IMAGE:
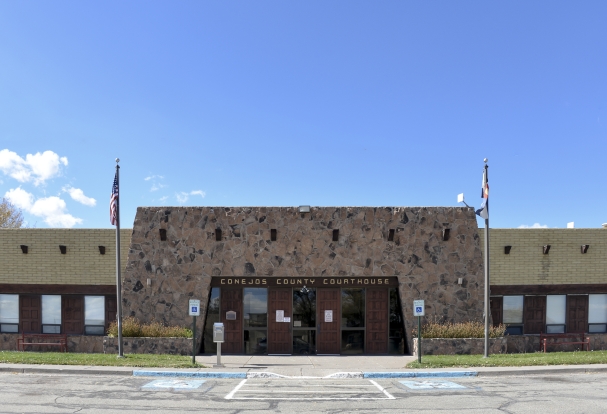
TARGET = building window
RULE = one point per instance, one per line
(255, 321)
(9, 313)
(396, 334)
(51, 314)
(597, 313)
(212, 317)
(513, 314)
(556, 309)
(94, 315)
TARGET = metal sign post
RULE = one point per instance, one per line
(419, 311)
(194, 311)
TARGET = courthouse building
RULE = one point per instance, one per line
(303, 280)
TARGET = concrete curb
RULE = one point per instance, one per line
(481, 372)
(413, 374)
(74, 371)
(547, 371)
(189, 374)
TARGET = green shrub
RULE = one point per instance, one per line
(436, 329)
(132, 328)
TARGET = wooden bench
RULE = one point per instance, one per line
(564, 339)
(27, 339)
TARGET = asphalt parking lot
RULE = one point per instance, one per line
(43, 393)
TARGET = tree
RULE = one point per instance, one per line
(11, 217)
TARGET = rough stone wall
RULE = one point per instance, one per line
(511, 344)
(181, 267)
(75, 343)
(92, 344)
(173, 346)
(460, 346)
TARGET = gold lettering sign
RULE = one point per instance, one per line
(300, 282)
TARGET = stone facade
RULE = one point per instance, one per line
(174, 346)
(162, 275)
(460, 346)
(75, 343)
(512, 344)
(107, 345)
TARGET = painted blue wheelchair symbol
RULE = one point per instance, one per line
(418, 309)
(194, 309)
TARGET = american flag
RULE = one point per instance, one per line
(484, 210)
(114, 202)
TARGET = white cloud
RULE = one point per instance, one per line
(20, 198)
(183, 196)
(157, 186)
(51, 209)
(37, 167)
(78, 195)
(534, 226)
(198, 192)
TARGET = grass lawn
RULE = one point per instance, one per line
(130, 360)
(511, 360)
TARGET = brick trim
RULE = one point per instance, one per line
(58, 289)
(548, 289)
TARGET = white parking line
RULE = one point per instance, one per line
(283, 390)
(239, 386)
(382, 389)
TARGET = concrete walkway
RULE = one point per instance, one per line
(307, 365)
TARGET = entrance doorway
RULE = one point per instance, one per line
(279, 339)
(266, 317)
(328, 325)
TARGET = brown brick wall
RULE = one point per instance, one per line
(564, 264)
(44, 263)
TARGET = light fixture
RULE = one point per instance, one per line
(460, 280)
(507, 249)
(304, 290)
(24, 248)
(149, 282)
(546, 248)
(585, 248)
(304, 209)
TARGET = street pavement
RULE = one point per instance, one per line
(125, 394)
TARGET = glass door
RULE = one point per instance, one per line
(304, 321)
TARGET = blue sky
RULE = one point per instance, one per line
(288, 103)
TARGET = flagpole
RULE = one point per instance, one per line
(486, 355)
(118, 279)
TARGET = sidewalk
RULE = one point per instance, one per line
(243, 366)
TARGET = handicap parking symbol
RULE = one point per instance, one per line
(194, 309)
(176, 385)
(432, 385)
(418, 309)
